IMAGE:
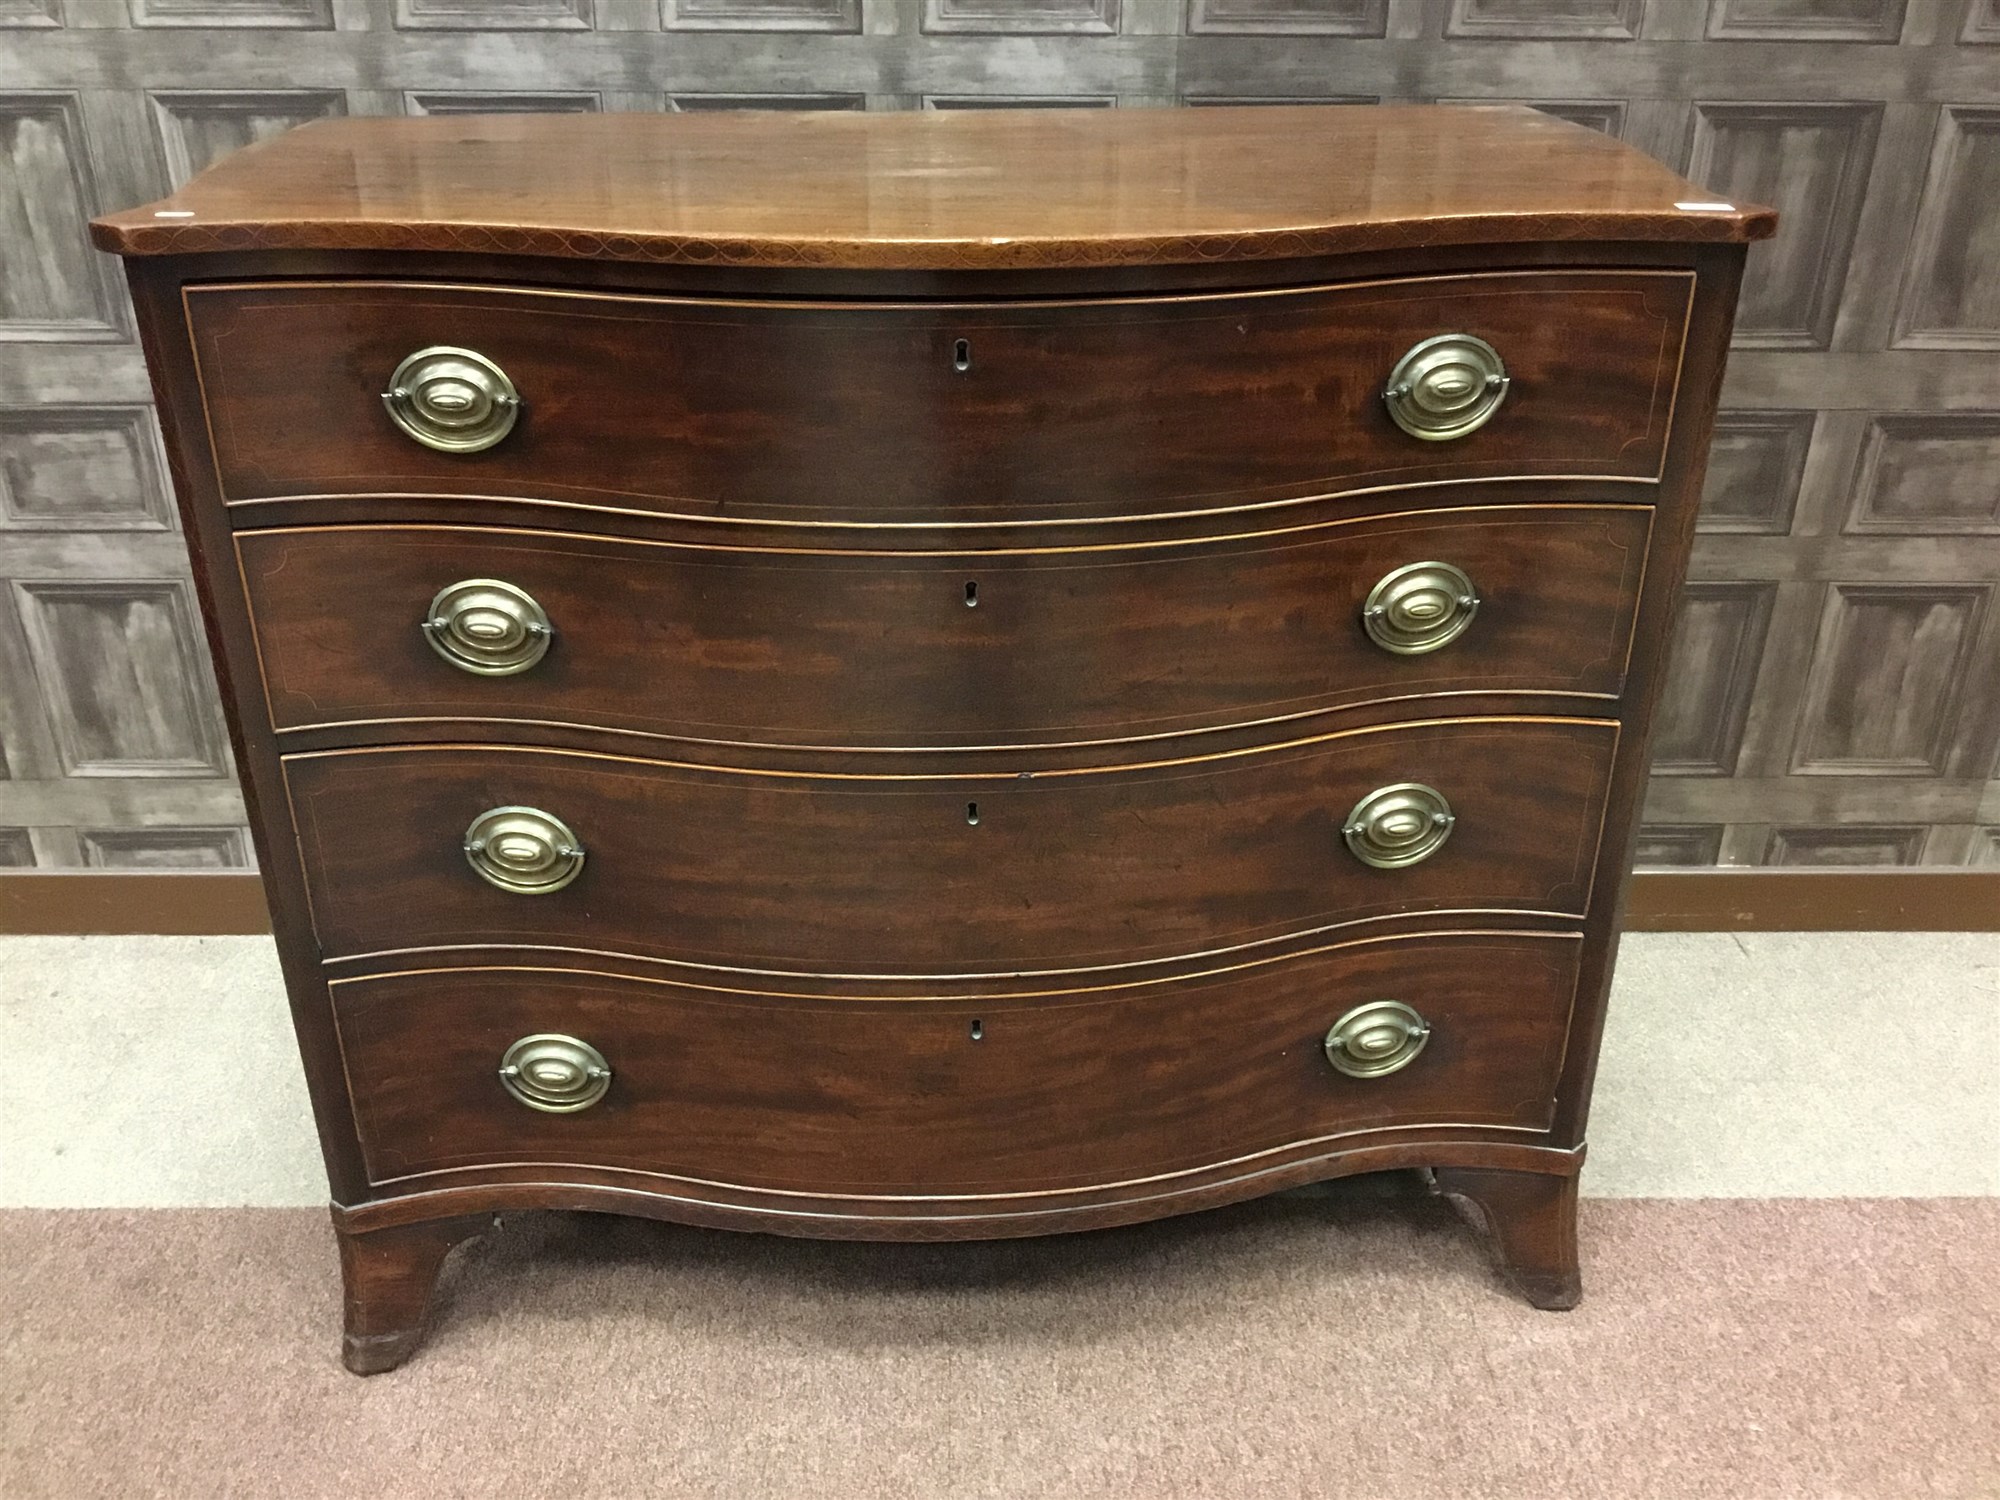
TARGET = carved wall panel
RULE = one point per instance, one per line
(1835, 696)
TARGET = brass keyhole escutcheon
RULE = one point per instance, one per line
(1399, 825)
(523, 850)
(1446, 387)
(1419, 607)
(488, 627)
(452, 400)
(556, 1074)
(1376, 1039)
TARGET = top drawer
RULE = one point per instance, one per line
(916, 414)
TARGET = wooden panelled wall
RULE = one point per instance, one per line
(1836, 692)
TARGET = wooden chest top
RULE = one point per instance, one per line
(943, 190)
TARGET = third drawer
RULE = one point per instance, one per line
(916, 875)
(380, 624)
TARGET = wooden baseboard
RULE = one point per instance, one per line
(99, 901)
(1885, 900)
(189, 902)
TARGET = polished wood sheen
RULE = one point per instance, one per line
(388, 1276)
(961, 874)
(1102, 1087)
(957, 680)
(992, 414)
(957, 190)
(907, 650)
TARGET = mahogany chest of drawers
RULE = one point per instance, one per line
(922, 676)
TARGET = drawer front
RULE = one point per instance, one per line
(864, 1097)
(863, 413)
(947, 651)
(945, 875)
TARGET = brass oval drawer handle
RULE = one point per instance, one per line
(1376, 1039)
(556, 1074)
(453, 400)
(523, 850)
(488, 626)
(1419, 607)
(1399, 825)
(1446, 387)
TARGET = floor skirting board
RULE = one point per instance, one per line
(204, 903)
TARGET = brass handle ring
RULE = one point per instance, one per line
(1399, 825)
(556, 1074)
(1446, 387)
(1376, 1039)
(523, 850)
(487, 627)
(453, 400)
(1419, 607)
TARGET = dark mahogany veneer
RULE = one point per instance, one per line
(954, 532)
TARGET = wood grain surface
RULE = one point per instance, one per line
(891, 651)
(821, 412)
(1038, 1094)
(971, 190)
(888, 875)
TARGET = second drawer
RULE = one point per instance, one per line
(919, 875)
(365, 624)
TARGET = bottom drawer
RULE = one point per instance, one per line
(1009, 1094)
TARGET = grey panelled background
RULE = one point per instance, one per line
(1836, 692)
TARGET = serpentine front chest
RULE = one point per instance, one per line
(929, 676)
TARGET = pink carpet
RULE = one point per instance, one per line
(1349, 1343)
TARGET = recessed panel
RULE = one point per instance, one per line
(1718, 646)
(1606, 116)
(1019, 101)
(198, 129)
(494, 15)
(688, 102)
(761, 15)
(82, 469)
(314, 15)
(165, 848)
(1675, 846)
(123, 677)
(1934, 474)
(1289, 17)
(1952, 297)
(1811, 163)
(1847, 845)
(1086, 17)
(1755, 466)
(1806, 20)
(51, 287)
(1885, 684)
(1609, 20)
(456, 102)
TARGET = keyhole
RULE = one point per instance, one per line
(972, 813)
(972, 596)
(961, 356)
(979, 1031)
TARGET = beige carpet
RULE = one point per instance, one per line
(1347, 1344)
